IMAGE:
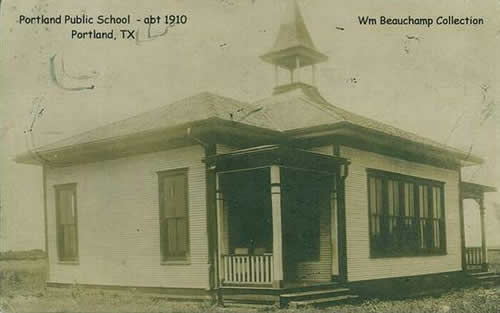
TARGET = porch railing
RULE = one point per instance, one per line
(248, 269)
(474, 256)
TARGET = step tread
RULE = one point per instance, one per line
(322, 300)
(313, 293)
(482, 273)
(488, 277)
(247, 305)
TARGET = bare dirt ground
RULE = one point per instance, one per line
(22, 289)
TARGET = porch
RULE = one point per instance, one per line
(476, 258)
(280, 217)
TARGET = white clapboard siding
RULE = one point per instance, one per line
(360, 265)
(118, 222)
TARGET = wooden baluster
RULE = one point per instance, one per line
(252, 262)
(238, 269)
(242, 268)
(231, 263)
(272, 267)
(266, 270)
(249, 279)
(226, 262)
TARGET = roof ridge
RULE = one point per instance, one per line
(323, 106)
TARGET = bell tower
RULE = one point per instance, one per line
(294, 51)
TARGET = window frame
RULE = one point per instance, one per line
(415, 182)
(164, 257)
(57, 189)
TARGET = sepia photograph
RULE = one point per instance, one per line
(249, 156)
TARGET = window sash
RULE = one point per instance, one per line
(66, 222)
(409, 218)
(174, 221)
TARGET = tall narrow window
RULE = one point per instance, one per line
(375, 203)
(66, 221)
(174, 242)
(406, 215)
(423, 201)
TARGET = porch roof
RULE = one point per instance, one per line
(282, 155)
(475, 191)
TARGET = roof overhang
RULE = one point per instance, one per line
(357, 136)
(240, 135)
(286, 58)
(204, 132)
(475, 191)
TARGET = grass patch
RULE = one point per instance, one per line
(22, 289)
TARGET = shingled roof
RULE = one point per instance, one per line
(202, 106)
(295, 110)
(306, 108)
(293, 31)
(299, 110)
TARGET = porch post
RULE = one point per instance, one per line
(277, 227)
(221, 228)
(462, 220)
(484, 250)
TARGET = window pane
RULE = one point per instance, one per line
(373, 195)
(423, 201)
(172, 236)
(393, 197)
(409, 200)
(375, 192)
(168, 197)
(379, 194)
(69, 241)
(390, 197)
(436, 192)
(180, 196)
(437, 239)
(174, 196)
(181, 236)
(66, 207)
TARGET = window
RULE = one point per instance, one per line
(174, 242)
(406, 215)
(66, 221)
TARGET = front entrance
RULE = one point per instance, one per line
(306, 225)
(274, 216)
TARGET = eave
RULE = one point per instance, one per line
(204, 132)
(356, 136)
(475, 191)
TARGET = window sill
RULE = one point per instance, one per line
(68, 262)
(408, 256)
(176, 262)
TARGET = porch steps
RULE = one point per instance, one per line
(246, 305)
(295, 296)
(323, 301)
(311, 294)
(323, 296)
(487, 278)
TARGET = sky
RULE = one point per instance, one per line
(439, 82)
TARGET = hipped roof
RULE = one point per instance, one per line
(299, 113)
